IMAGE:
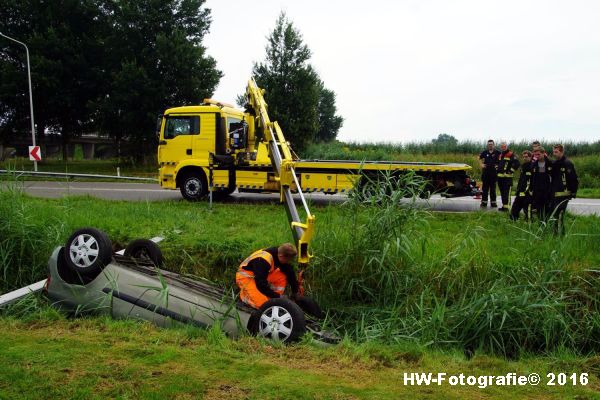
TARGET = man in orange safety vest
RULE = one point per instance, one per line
(266, 273)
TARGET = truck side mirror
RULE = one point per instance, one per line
(158, 125)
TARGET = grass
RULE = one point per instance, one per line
(48, 356)
(587, 193)
(390, 151)
(474, 282)
(411, 291)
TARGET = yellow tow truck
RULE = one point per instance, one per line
(215, 148)
(195, 139)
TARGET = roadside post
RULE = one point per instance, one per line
(35, 167)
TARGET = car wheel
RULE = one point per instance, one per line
(280, 320)
(87, 251)
(146, 250)
(193, 186)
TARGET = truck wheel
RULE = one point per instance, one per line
(280, 320)
(193, 186)
(146, 250)
(87, 251)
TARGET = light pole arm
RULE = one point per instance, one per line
(30, 91)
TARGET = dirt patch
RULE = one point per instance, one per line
(227, 391)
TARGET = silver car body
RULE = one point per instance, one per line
(133, 288)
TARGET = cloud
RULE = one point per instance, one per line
(407, 71)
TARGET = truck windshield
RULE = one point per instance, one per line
(177, 126)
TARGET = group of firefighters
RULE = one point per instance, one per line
(544, 186)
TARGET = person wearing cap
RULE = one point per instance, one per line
(524, 190)
(507, 164)
(265, 274)
(564, 186)
(488, 160)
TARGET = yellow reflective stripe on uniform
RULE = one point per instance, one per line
(561, 194)
(245, 274)
(259, 254)
(505, 175)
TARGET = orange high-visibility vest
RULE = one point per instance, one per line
(265, 255)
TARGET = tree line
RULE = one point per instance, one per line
(111, 66)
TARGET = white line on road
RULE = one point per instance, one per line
(97, 189)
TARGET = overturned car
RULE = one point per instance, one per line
(86, 276)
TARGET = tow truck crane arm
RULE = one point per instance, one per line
(283, 161)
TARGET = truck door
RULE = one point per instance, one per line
(176, 141)
(203, 143)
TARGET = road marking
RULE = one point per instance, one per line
(98, 189)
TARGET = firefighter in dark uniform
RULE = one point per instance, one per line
(507, 164)
(489, 173)
(523, 194)
(541, 183)
(564, 186)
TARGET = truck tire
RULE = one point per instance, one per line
(280, 320)
(193, 186)
(87, 251)
(146, 250)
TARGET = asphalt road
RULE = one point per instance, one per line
(153, 192)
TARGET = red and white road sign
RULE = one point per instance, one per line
(35, 154)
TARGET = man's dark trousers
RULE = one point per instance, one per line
(489, 178)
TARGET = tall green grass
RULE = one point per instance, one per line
(395, 278)
(388, 273)
(25, 240)
(392, 151)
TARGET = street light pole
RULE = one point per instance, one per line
(35, 166)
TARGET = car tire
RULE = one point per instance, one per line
(146, 250)
(87, 251)
(279, 320)
(193, 186)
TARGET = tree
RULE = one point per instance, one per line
(445, 139)
(108, 65)
(294, 91)
(157, 61)
(329, 123)
(62, 42)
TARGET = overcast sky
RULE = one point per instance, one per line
(407, 71)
